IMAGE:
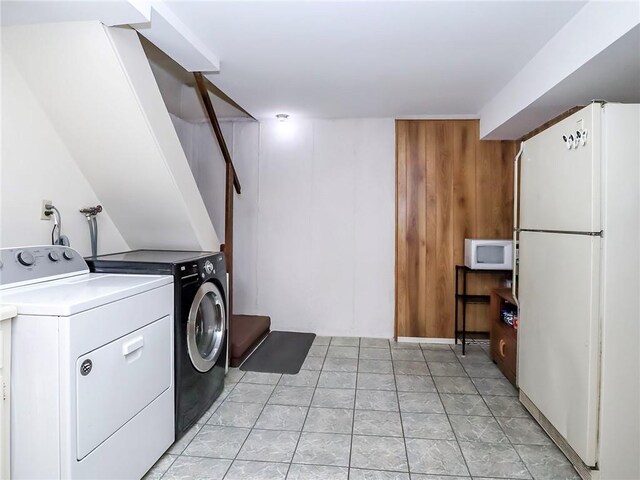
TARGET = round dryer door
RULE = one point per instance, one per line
(206, 327)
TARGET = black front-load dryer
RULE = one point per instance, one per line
(200, 319)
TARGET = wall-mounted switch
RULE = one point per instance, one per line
(43, 215)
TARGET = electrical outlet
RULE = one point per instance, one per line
(43, 216)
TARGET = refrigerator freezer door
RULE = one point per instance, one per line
(560, 187)
(558, 338)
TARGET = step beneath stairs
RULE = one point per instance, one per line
(245, 334)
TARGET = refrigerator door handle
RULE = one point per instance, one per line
(516, 224)
(562, 232)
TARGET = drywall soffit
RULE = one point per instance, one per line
(168, 33)
(152, 19)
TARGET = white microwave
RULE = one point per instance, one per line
(488, 254)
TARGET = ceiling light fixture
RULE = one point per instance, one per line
(282, 117)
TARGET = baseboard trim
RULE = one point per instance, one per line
(585, 472)
(445, 341)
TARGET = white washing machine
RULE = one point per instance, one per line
(92, 381)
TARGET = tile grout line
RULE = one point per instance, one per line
(334, 466)
(353, 419)
(250, 429)
(495, 420)
(330, 466)
(295, 449)
(357, 372)
(170, 465)
(455, 435)
(404, 438)
(510, 443)
(189, 443)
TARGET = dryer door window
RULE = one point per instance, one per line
(206, 327)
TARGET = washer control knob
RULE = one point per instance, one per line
(68, 255)
(26, 259)
(53, 256)
(208, 267)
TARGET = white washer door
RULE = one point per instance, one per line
(118, 380)
(206, 327)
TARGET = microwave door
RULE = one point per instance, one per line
(560, 187)
(490, 255)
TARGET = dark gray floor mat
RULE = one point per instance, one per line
(281, 352)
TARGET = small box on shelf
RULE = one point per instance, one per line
(504, 323)
(509, 314)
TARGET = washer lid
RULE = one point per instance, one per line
(76, 294)
(152, 256)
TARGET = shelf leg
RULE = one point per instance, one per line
(464, 313)
(455, 322)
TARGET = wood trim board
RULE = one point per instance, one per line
(450, 185)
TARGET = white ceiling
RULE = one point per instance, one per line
(370, 59)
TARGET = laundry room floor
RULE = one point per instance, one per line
(369, 409)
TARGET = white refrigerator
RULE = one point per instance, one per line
(578, 287)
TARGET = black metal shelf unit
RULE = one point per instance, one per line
(464, 298)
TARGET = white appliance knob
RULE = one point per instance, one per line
(26, 259)
(54, 257)
(68, 255)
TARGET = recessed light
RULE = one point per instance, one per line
(282, 117)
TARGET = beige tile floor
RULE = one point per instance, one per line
(369, 409)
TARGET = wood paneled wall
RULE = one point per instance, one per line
(449, 186)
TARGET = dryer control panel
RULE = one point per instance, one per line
(24, 265)
(211, 266)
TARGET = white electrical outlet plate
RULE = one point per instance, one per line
(44, 209)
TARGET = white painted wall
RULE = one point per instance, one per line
(170, 88)
(314, 227)
(198, 140)
(207, 164)
(36, 165)
(97, 88)
(246, 158)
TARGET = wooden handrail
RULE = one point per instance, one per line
(206, 100)
(228, 234)
(231, 182)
